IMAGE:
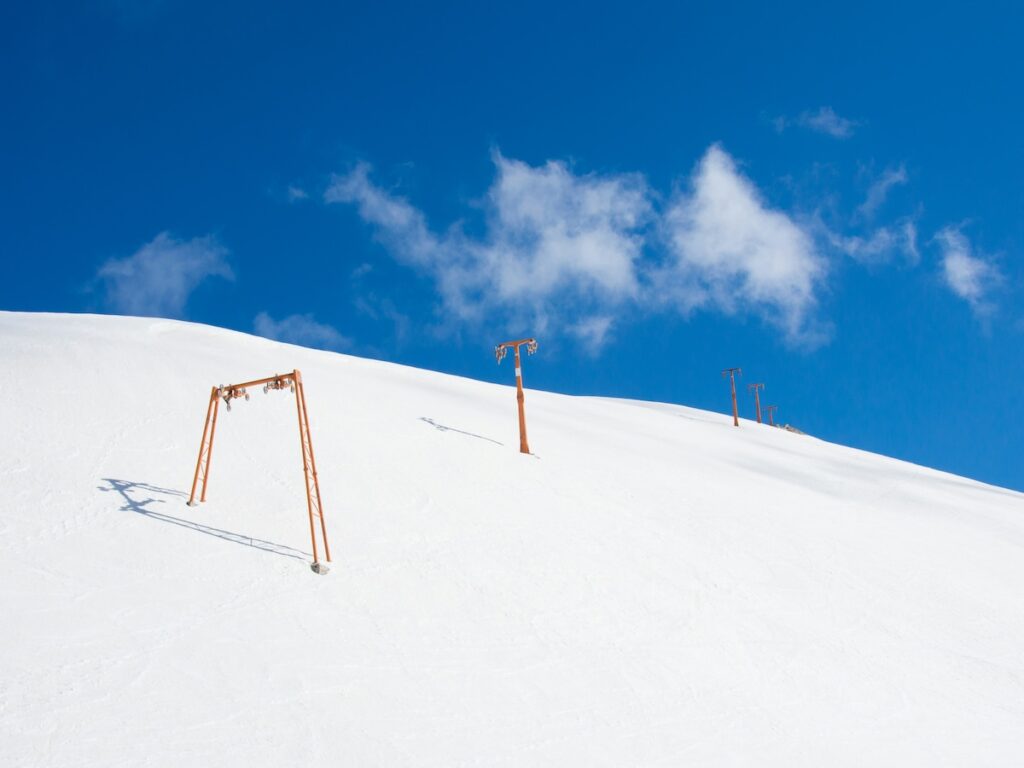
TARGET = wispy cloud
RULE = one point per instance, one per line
(295, 194)
(361, 271)
(881, 245)
(971, 277)
(384, 309)
(822, 120)
(557, 245)
(157, 280)
(593, 331)
(879, 190)
(578, 251)
(400, 227)
(731, 251)
(910, 242)
(302, 330)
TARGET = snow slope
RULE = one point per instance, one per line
(657, 588)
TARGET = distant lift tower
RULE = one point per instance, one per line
(771, 413)
(757, 398)
(293, 382)
(733, 373)
(499, 352)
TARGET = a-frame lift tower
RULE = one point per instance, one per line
(291, 381)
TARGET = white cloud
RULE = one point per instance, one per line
(300, 329)
(361, 271)
(400, 226)
(559, 247)
(879, 190)
(823, 120)
(881, 245)
(910, 243)
(569, 253)
(970, 277)
(732, 252)
(553, 229)
(593, 331)
(296, 193)
(157, 280)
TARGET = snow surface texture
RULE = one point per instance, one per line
(657, 588)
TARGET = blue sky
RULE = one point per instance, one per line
(829, 198)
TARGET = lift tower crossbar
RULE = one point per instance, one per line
(314, 505)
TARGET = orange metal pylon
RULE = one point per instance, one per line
(499, 352)
(770, 409)
(733, 372)
(757, 398)
(314, 506)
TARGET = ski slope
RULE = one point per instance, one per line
(654, 588)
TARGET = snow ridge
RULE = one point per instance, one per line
(658, 589)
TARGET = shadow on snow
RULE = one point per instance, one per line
(443, 428)
(129, 492)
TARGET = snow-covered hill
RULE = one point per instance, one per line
(657, 588)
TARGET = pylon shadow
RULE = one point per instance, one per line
(126, 489)
(443, 428)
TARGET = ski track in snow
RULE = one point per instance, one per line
(659, 589)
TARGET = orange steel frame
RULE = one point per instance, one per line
(499, 352)
(757, 398)
(292, 381)
(733, 373)
(771, 414)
